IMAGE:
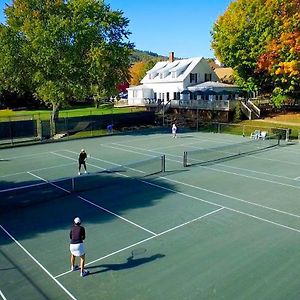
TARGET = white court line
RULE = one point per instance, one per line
(219, 170)
(38, 263)
(28, 155)
(40, 169)
(220, 207)
(220, 194)
(223, 206)
(96, 205)
(118, 216)
(223, 165)
(147, 239)
(2, 295)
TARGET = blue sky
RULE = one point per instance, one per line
(162, 26)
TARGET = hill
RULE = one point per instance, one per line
(139, 55)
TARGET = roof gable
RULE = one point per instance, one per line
(168, 71)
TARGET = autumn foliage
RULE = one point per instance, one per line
(260, 39)
(281, 58)
(139, 69)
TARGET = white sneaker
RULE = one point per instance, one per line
(79, 173)
(84, 273)
(85, 172)
(74, 268)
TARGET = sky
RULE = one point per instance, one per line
(162, 26)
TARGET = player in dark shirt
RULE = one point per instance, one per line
(81, 160)
(77, 236)
(109, 129)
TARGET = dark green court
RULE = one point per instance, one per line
(227, 229)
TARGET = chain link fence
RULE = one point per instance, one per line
(14, 131)
(33, 129)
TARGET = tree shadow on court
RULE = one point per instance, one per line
(130, 263)
(26, 213)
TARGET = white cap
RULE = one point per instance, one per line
(77, 220)
(82, 150)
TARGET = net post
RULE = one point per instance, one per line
(185, 159)
(163, 163)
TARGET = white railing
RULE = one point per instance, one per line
(254, 108)
(203, 104)
(246, 110)
(224, 105)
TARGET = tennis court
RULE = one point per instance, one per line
(222, 227)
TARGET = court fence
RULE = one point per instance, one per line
(14, 132)
(34, 130)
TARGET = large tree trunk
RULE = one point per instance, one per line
(54, 117)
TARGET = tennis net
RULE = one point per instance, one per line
(50, 190)
(222, 153)
(119, 174)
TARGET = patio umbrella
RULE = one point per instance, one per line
(200, 92)
(209, 92)
(186, 92)
(226, 92)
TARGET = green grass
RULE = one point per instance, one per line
(247, 127)
(74, 112)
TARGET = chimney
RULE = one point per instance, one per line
(171, 56)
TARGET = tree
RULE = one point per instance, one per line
(63, 50)
(139, 69)
(281, 58)
(260, 40)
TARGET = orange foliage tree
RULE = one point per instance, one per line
(281, 58)
(139, 69)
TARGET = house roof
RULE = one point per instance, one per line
(224, 74)
(162, 71)
(212, 85)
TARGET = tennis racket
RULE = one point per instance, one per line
(88, 156)
(137, 252)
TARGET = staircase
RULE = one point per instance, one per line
(250, 110)
(163, 108)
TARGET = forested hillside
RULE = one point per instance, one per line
(139, 55)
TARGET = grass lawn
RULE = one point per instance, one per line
(75, 112)
(283, 120)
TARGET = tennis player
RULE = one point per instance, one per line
(77, 236)
(174, 131)
(81, 160)
(109, 129)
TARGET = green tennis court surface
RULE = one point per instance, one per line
(224, 227)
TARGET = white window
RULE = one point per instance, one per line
(134, 94)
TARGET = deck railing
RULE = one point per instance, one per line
(224, 105)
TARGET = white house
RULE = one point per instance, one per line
(168, 79)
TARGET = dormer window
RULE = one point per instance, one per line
(173, 74)
(161, 76)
